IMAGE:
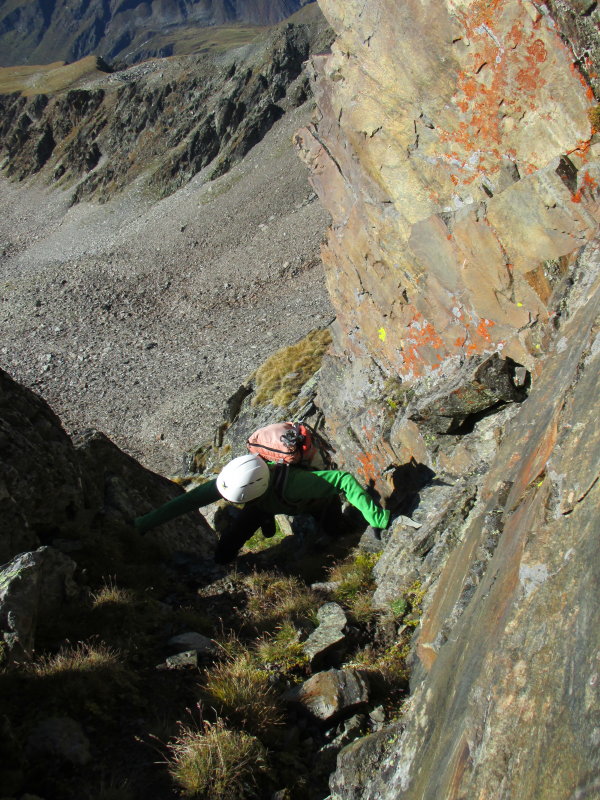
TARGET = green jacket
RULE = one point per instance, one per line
(300, 489)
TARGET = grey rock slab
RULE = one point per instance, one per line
(194, 641)
(327, 640)
(187, 659)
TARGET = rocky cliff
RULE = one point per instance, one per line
(170, 118)
(455, 146)
(42, 32)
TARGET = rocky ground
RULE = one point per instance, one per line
(140, 318)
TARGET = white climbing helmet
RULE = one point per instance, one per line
(244, 479)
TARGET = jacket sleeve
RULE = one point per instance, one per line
(355, 494)
(201, 496)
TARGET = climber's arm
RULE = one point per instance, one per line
(202, 495)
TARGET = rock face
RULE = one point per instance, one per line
(56, 490)
(463, 263)
(37, 33)
(459, 189)
(170, 118)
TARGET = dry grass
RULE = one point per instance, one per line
(273, 599)
(81, 658)
(242, 693)
(216, 763)
(46, 78)
(281, 377)
(79, 679)
(112, 595)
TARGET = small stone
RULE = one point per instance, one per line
(187, 659)
(194, 641)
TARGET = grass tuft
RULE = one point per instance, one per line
(282, 651)
(241, 691)
(111, 595)
(355, 584)
(273, 599)
(216, 763)
(281, 377)
(81, 679)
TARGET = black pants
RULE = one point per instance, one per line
(237, 525)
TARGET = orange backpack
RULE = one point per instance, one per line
(284, 443)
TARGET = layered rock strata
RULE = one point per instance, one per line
(454, 149)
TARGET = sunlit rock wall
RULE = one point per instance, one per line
(454, 148)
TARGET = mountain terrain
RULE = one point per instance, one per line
(172, 294)
(42, 32)
(454, 150)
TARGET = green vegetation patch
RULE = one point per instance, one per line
(274, 599)
(282, 651)
(356, 584)
(258, 542)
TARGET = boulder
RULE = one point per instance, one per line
(329, 696)
(60, 738)
(33, 586)
(193, 641)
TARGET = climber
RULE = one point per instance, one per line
(266, 489)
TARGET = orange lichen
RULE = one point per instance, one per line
(482, 329)
(589, 183)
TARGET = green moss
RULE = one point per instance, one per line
(355, 584)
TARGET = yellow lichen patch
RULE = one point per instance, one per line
(594, 118)
(282, 375)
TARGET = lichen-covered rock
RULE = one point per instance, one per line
(459, 189)
(504, 690)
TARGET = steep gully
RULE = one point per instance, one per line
(464, 245)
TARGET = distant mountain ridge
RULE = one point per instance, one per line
(43, 31)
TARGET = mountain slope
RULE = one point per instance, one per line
(44, 31)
